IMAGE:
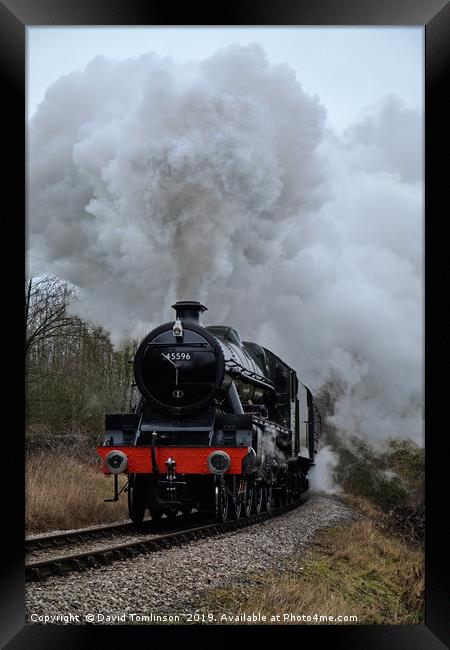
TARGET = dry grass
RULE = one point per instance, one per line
(64, 493)
(364, 506)
(351, 570)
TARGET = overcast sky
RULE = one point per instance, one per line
(349, 68)
(221, 181)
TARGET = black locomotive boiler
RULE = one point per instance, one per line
(222, 425)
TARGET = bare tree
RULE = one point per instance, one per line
(46, 317)
(74, 373)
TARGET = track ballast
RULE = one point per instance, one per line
(61, 565)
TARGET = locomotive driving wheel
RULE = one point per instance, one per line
(248, 500)
(221, 494)
(259, 497)
(136, 498)
(237, 497)
(268, 498)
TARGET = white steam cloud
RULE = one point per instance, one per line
(321, 475)
(151, 181)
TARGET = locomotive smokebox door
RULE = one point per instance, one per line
(180, 376)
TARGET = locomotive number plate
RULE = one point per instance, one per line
(178, 356)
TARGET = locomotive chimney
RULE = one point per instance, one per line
(189, 310)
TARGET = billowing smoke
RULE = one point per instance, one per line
(321, 475)
(219, 181)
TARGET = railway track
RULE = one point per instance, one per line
(63, 564)
(66, 538)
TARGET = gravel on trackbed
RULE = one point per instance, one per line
(176, 581)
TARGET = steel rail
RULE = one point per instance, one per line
(41, 569)
(64, 538)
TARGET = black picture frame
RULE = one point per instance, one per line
(15, 16)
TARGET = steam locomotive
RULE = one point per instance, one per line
(222, 425)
